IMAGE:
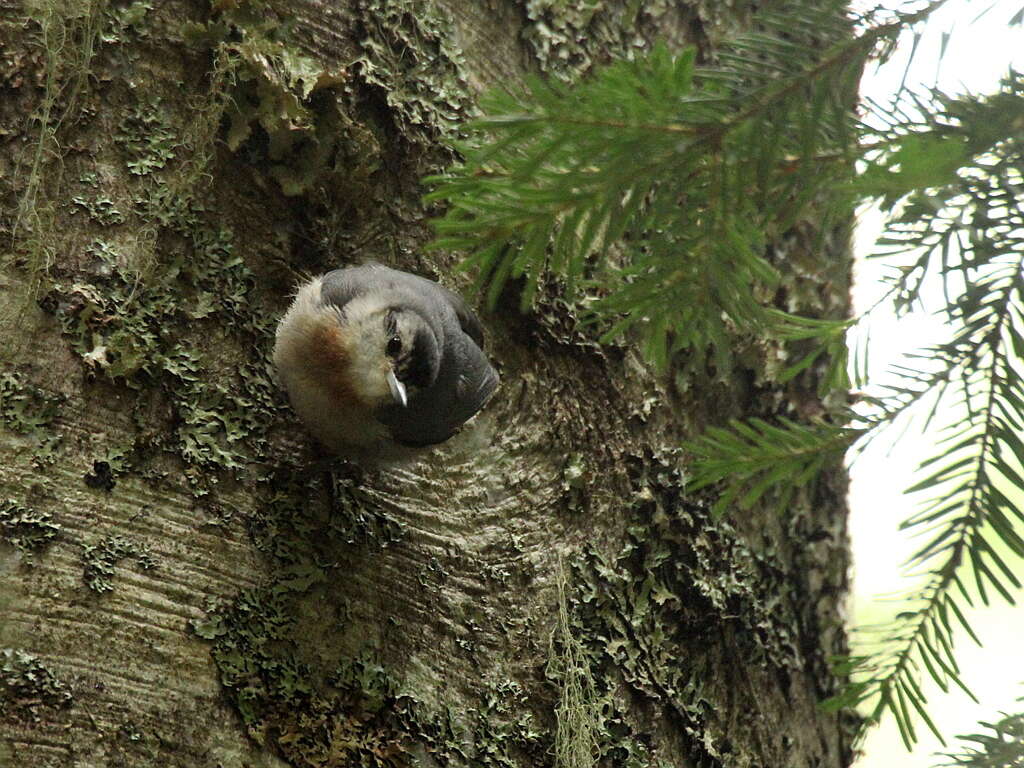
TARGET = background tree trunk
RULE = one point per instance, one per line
(181, 583)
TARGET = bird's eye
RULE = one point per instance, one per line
(394, 346)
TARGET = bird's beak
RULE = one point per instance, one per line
(397, 390)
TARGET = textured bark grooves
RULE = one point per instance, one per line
(184, 582)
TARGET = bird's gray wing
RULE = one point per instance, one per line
(342, 285)
(467, 317)
(464, 384)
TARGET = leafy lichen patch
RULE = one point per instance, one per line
(347, 721)
(410, 53)
(139, 330)
(27, 686)
(281, 108)
(146, 138)
(145, 303)
(339, 702)
(27, 530)
(27, 410)
(102, 210)
(568, 38)
(314, 126)
(282, 701)
(653, 616)
(99, 560)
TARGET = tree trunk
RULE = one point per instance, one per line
(186, 582)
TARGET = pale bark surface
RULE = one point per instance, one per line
(179, 585)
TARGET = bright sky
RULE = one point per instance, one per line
(977, 54)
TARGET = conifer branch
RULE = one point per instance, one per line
(670, 252)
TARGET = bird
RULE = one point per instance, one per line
(379, 363)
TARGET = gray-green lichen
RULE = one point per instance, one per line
(356, 518)
(160, 281)
(99, 561)
(278, 103)
(146, 138)
(569, 38)
(27, 686)
(310, 124)
(102, 210)
(345, 717)
(27, 410)
(27, 530)
(655, 613)
(141, 330)
(504, 730)
(409, 52)
(354, 717)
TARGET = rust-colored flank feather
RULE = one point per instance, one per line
(316, 356)
(331, 356)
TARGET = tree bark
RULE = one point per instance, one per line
(184, 581)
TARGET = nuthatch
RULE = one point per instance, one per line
(373, 358)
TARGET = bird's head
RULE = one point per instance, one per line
(395, 353)
(411, 348)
